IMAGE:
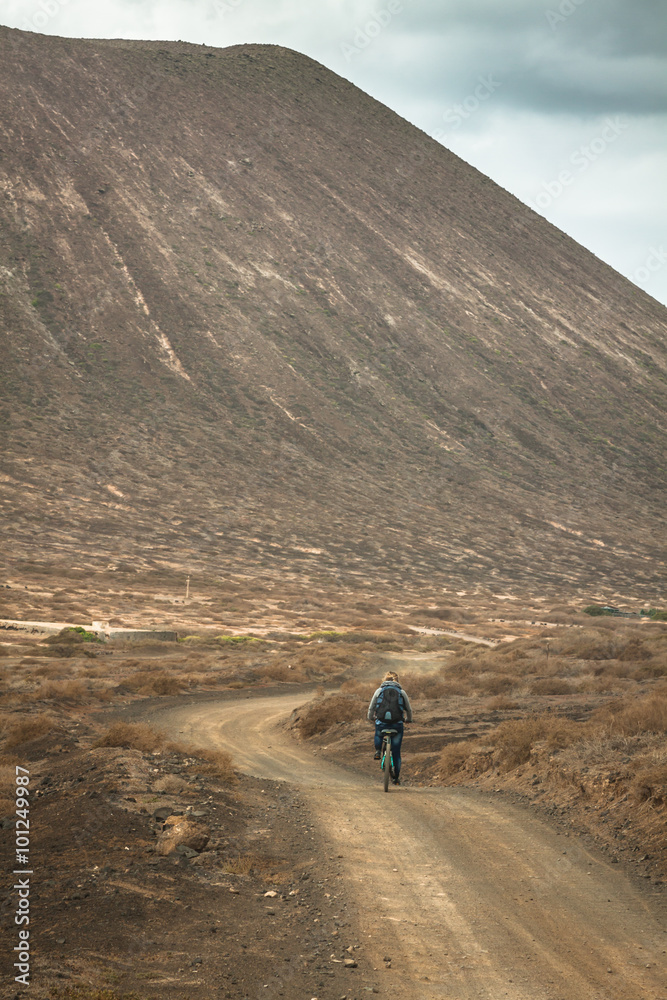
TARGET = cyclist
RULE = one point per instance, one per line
(389, 708)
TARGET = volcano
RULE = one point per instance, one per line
(255, 323)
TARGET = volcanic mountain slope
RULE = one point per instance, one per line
(255, 322)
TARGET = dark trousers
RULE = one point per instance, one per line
(396, 741)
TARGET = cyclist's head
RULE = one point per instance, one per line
(390, 676)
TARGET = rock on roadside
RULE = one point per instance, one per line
(179, 830)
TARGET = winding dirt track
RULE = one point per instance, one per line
(471, 896)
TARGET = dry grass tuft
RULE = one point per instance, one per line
(245, 864)
(29, 728)
(363, 689)
(218, 762)
(67, 692)
(496, 683)
(551, 685)
(281, 671)
(131, 736)
(454, 756)
(323, 713)
(431, 686)
(502, 704)
(515, 738)
(650, 785)
(150, 682)
(54, 671)
(632, 717)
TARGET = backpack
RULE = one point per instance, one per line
(389, 706)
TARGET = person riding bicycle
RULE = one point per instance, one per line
(389, 708)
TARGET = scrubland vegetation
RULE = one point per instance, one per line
(584, 700)
(581, 699)
(67, 672)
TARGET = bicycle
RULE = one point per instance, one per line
(386, 757)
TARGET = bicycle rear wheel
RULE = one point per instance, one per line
(386, 762)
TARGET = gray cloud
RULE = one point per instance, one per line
(603, 57)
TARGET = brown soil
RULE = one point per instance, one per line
(110, 915)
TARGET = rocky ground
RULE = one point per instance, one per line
(258, 909)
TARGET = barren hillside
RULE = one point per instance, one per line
(254, 322)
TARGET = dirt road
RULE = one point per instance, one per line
(470, 896)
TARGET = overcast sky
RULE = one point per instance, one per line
(562, 102)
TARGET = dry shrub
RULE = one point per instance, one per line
(650, 785)
(514, 651)
(651, 669)
(31, 727)
(369, 608)
(314, 661)
(497, 683)
(102, 671)
(244, 864)
(634, 650)
(136, 665)
(466, 664)
(131, 736)
(551, 685)
(431, 686)
(561, 666)
(614, 668)
(453, 757)
(164, 684)
(51, 670)
(442, 614)
(515, 738)
(105, 695)
(363, 689)
(586, 646)
(502, 704)
(218, 764)
(71, 692)
(626, 645)
(636, 716)
(323, 713)
(150, 682)
(281, 671)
